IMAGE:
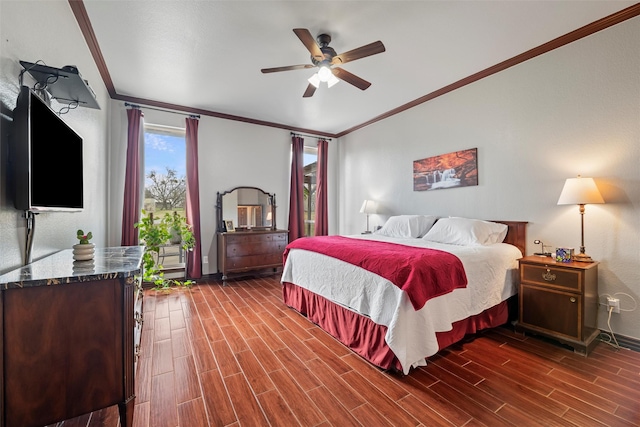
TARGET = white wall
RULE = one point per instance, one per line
(572, 111)
(231, 154)
(47, 31)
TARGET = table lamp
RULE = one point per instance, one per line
(580, 191)
(368, 207)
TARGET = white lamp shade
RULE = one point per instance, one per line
(580, 191)
(332, 80)
(368, 207)
(314, 80)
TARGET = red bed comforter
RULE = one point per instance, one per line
(422, 273)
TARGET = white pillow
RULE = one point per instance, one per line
(464, 231)
(407, 225)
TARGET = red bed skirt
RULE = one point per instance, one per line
(365, 337)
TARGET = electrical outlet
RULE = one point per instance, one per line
(615, 303)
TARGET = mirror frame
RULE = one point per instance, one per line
(272, 204)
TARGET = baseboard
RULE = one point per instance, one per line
(628, 342)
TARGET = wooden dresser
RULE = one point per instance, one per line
(560, 301)
(69, 336)
(250, 251)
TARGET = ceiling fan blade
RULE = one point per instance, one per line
(360, 52)
(310, 43)
(288, 68)
(311, 89)
(350, 78)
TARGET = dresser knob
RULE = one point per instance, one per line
(548, 276)
(572, 299)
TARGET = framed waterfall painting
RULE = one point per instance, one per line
(457, 169)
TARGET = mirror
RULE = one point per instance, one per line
(249, 208)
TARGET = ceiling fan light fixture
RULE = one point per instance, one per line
(324, 57)
(324, 74)
(314, 80)
(332, 80)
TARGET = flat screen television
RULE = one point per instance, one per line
(47, 158)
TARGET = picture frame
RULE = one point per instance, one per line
(228, 225)
(456, 169)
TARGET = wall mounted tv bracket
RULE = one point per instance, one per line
(65, 84)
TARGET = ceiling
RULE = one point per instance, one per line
(206, 56)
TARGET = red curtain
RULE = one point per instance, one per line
(296, 199)
(132, 180)
(192, 202)
(322, 216)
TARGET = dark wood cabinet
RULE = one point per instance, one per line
(249, 251)
(560, 301)
(70, 340)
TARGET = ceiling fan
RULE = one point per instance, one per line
(326, 59)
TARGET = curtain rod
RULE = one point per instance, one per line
(195, 116)
(310, 136)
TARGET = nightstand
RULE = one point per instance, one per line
(560, 301)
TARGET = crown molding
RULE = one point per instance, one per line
(80, 12)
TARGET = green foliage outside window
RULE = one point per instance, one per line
(154, 234)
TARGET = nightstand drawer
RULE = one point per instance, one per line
(544, 275)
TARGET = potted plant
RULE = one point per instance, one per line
(180, 230)
(84, 250)
(153, 234)
(174, 223)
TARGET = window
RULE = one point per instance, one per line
(165, 185)
(310, 175)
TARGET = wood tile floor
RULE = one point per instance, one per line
(237, 356)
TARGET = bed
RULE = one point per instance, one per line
(376, 317)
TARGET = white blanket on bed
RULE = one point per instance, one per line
(491, 273)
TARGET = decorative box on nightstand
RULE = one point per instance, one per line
(559, 300)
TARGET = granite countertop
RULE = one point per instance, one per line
(60, 268)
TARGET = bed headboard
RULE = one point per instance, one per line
(516, 234)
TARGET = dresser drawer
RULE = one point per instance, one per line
(255, 248)
(553, 276)
(242, 239)
(253, 262)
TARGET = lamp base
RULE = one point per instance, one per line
(582, 258)
(543, 253)
(366, 232)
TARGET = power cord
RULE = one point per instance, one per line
(631, 298)
(609, 337)
(20, 76)
(72, 106)
(38, 86)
